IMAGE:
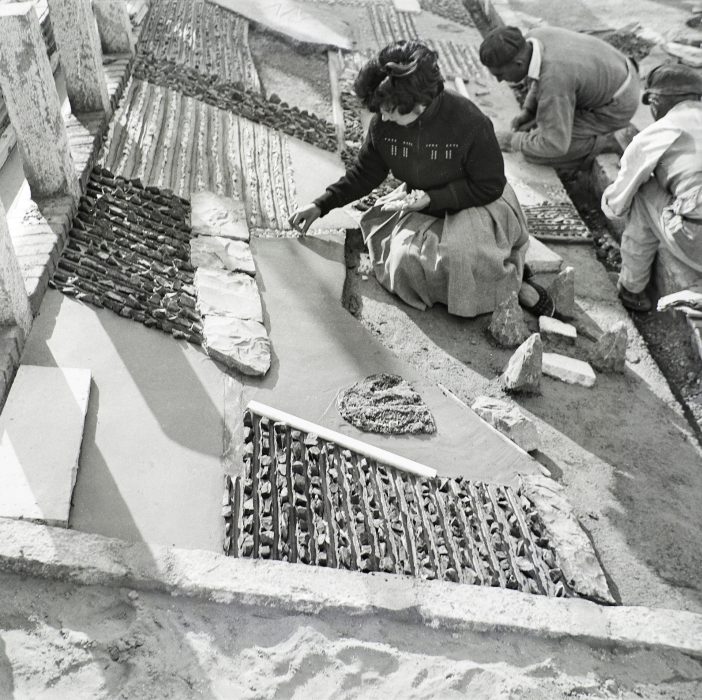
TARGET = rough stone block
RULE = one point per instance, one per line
(567, 369)
(37, 476)
(523, 372)
(556, 331)
(215, 215)
(78, 43)
(562, 291)
(226, 293)
(541, 259)
(223, 253)
(507, 325)
(609, 353)
(510, 421)
(240, 344)
(14, 301)
(114, 26)
(35, 113)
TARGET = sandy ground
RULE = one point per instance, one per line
(62, 641)
(300, 79)
(626, 457)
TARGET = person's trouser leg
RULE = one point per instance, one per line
(642, 236)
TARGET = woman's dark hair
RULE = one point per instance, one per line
(402, 75)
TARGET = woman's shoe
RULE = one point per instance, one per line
(544, 306)
(634, 301)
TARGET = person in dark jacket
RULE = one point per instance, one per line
(454, 231)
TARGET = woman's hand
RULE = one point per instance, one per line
(397, 194)
(414, 201)
(303, 217)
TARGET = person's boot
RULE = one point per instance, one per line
(634, 301)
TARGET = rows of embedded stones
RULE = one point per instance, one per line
(302, 499)
(234, 97)
(175, 142)
(389, 25)
(454, 10)
(129, 251)
(202, 36)
(556, 222)
(460, 60)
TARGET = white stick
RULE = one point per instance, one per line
(461, 87)
(376, 453)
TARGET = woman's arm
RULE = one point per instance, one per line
(360, 179)
(484, 171)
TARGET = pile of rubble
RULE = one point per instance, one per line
(306, 500)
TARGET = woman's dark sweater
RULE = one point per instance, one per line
(449, 151)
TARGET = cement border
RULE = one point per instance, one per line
(84, 559)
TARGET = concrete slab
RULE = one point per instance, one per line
(150, 462)
(41, 430)
(301, 282)
(313, 171)
(288, 18)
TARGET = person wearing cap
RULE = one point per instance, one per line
(580, 90)
(453, 232)
(658, 190)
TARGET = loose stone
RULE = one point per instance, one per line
(523, 372)
(609, 353)
(507, 325)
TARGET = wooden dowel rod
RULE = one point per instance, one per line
(349, 443)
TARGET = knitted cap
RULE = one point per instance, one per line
(672, 79)
(500, 46)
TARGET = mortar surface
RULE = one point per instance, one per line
(301, 283)
(150, 459)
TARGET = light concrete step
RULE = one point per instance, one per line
(41, 430)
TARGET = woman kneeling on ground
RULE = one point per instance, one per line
(454, 231)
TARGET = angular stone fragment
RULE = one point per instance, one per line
(523, 372)
(507, 325)
(567, 369)
(227, 293)
(562, 291)
(609, 354)
(215, 215)
(556, 331)
(223, 253)
(510, 421)
(385, 403)
(237, 343)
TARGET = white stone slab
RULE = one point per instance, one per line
(509, 420)
(553, 329)
(289, 18)
(407, 6)
(542, 259)
(41, 430)
(222, 253)
(567, 369)
(224, 293)
(216, 215)
(241, 344)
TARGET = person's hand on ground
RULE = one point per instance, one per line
(504, 138)
(303, 217)
(523, 121)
